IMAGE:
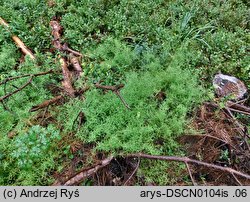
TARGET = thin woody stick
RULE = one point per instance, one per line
(23, 86)
(85, 173)
(18, 41)
(115, 89)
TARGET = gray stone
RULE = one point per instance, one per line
(229, 86)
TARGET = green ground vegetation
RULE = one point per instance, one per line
(174, 47)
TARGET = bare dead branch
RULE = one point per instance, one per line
(66, 83)
(22, 87)
(134, 171)
(17, 90)
(84, 174)
(236, 179)
(115, 89)
(213, 137)
(112, 88)
(80, 177)
(46, 103)
(239, 127)
(65, 47)
(122, 99)
(56, 33)
(238, 107)
(191, 161)
(26, 75)
(18, 41)
(228, 108)
(190, 174)
(239, 111)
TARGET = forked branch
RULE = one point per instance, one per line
(115, 89)
(23, 86)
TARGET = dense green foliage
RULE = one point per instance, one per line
(115, 128)
(173, 47)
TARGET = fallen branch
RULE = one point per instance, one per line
(190, 174)
(56, 33)
(213, 137)
(81, 176)
(56, 99)
(237, 180)
(66, 83)
(239, 127)
(25, 75)
(25, 85)
(130, 177)
(46, 103)
(238, 107)
(228, 108)
(18, 41)
(187, 160)
(84, 174)
(17, 90)
(65, 47)
(115, 89)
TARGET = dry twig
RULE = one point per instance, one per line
(65, 47)
(115, 89)
(46, 103)
(81, 176)
(137, 166)
(190, 174)
(18, 41)
(25, 75)
(238, 107)
(191, 161)
(23, 86)
(84, 174)
(17, 90)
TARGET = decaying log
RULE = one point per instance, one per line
(66, 83)
(18, 41)
(56, 33)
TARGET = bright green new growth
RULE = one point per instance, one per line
(114, 128)
(27, 159)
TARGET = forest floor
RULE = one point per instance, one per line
(115, 92)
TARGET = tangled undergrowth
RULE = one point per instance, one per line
(165, 54)
(220, 141)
